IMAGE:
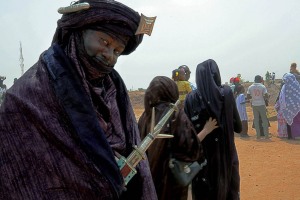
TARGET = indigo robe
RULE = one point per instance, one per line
(52, 146)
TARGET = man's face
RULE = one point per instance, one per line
(103, 47)
(293, 68)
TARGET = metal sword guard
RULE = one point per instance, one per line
(127, 165)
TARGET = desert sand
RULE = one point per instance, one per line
(269, 169)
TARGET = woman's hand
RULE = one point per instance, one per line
(209, 126)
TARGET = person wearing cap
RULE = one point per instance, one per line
(259, 94)
(67, 119)
(236, 83)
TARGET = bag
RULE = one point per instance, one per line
(184, 172)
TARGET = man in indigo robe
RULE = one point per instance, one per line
(65, 120)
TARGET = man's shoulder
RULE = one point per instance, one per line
(257, 85)
(251, 86)
(262, 86)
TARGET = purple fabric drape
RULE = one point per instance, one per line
(52, 147)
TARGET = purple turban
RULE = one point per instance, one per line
(106, 15)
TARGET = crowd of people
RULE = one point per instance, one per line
(287, 105)
(66, 122)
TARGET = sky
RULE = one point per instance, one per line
(249, 37)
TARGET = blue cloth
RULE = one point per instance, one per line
(193, 86)
(291, 101)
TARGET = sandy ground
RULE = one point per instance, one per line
(269, 169)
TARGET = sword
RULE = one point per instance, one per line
(152, 127)
(127, 165)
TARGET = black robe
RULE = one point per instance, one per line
(184, 146)
(220, 179)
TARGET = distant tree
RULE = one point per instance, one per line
(267, 76)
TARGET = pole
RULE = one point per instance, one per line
(21, 60)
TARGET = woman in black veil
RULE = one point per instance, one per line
(220, 178)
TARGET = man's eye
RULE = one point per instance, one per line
(117, 52)
(105, 42)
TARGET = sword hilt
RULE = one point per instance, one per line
(127, 165)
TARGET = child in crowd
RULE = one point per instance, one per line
(184, 86)
(241, 106)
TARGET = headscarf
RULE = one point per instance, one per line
(106, 15)
(161, 89)
(290, 97)
(208, 80)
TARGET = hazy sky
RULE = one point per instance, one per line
(242, 36)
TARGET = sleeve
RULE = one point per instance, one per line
(265, 90)
(243, 99)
